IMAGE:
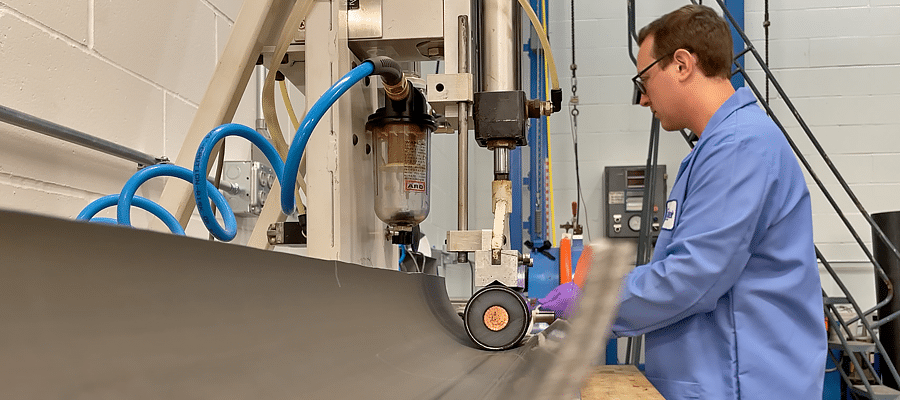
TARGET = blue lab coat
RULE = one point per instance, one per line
(731, 304)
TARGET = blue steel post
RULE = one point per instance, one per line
(537, 134)
(736, 7)
(515, 218)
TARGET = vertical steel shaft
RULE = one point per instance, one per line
(501, 162)
(500, 58)
(463, 146)
(463, 156)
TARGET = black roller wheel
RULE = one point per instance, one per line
(497, 317)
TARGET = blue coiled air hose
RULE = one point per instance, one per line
(123, 211)
(201, 192)
(286, 171)
(108, 201)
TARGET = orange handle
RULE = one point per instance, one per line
(565, 260)
(584, 265)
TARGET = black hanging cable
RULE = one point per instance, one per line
(572, 8)
(766, 24)
(573, 106)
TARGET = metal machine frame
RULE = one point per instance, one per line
(341, 225)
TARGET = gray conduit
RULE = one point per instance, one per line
(70, 135)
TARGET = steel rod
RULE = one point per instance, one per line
(463, 143)
(852, 357)
(70, 135)
(501, 163)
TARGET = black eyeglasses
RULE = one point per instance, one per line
(639, 88)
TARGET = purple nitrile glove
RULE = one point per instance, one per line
(561, 300)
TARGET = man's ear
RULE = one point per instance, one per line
(685, 63)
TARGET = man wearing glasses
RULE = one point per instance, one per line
(731, 304)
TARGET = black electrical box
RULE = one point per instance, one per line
(625, 187)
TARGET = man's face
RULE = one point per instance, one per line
(659, 87)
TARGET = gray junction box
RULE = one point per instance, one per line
(625, 188)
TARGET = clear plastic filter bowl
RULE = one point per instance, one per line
(402, 176)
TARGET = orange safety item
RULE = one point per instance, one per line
(565, 260)
(583, 266)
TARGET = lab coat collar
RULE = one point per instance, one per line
(741, 98)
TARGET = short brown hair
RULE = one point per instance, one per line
(697, 29)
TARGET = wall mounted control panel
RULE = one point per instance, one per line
(625, 187)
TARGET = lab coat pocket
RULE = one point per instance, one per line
(672, 390)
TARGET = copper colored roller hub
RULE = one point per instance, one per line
(496, 318)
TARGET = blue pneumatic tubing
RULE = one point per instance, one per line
(292, 161)
(87, 214)
(201, 160)
(131, 186)
(402, 255)
(107, 221)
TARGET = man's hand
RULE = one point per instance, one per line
(561, 300)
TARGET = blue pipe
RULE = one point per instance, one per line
(292, 161)
(402, 255)
(201, 160)
(106, 221)
(736, 8)
(131, 186)
(87, 214)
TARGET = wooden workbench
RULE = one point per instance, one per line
(618, 382)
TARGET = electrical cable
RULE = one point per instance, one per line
(580, 195)
(766, 23)
(573, 112)
(415, 262)
(402, 255)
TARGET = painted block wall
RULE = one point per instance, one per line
(131, 72)
(839, 61)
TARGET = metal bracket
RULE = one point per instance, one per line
(507, 273)
(444, 93)
(469, 240)
(251, 181)
(449, 89)
(288, 232)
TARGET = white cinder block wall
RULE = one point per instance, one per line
(128, 71)
(839, 61)
(133, 72)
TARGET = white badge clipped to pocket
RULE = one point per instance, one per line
(669, 220)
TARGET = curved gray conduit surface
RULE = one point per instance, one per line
(95, 311)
